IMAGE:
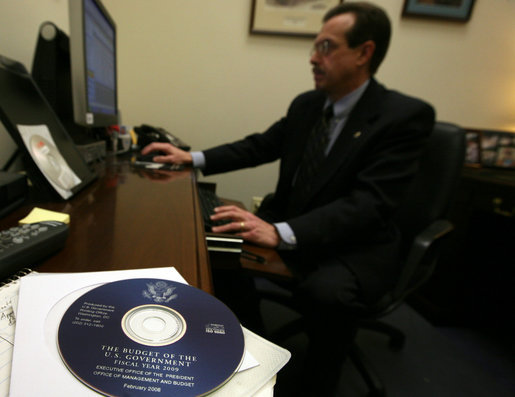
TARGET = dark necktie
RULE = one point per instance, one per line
(313, 153)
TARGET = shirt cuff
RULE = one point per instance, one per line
(198, 160)
(288, 239)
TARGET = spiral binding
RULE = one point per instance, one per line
(15, 277)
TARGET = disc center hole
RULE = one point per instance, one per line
(154, 324)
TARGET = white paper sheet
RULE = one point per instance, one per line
(8, 303)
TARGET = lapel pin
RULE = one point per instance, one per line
(357, 134)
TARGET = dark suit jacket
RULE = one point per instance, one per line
(349, 213)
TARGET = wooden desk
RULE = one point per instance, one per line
(273, 268)
(129, 219)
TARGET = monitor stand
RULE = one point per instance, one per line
(89, 141)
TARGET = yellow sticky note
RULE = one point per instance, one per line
(39, 214)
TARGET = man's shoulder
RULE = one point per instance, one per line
(395, 99)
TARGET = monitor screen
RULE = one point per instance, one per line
(93, 64)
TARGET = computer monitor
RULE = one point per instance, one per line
(93, 64)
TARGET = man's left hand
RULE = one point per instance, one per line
(247, 225)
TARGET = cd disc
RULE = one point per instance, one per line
(142, 337)
(52, 164)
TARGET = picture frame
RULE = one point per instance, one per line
(454, 10)
(497, 149)
(301, 18)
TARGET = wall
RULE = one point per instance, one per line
(191, 67)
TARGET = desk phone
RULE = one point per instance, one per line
(148, 134)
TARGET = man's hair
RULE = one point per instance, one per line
(371, 23)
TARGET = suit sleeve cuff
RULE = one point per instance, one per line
(198, 160)
(288, 240)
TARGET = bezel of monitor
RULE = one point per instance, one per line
(84, 114)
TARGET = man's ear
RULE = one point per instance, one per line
(366, 51)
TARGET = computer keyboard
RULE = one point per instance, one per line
(24, 245)
(208, 202)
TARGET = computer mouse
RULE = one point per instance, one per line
(149, 158)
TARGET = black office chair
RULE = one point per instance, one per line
(424, 229)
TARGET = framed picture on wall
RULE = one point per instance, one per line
(455, 10)
(289, 17)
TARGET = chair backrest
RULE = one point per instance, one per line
(427, 204)
(432, 190)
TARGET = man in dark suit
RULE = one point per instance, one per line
(335, 228)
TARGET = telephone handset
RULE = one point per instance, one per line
(148, 134)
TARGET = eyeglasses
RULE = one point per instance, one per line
(323, 48)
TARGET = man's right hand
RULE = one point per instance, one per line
(173, 155)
